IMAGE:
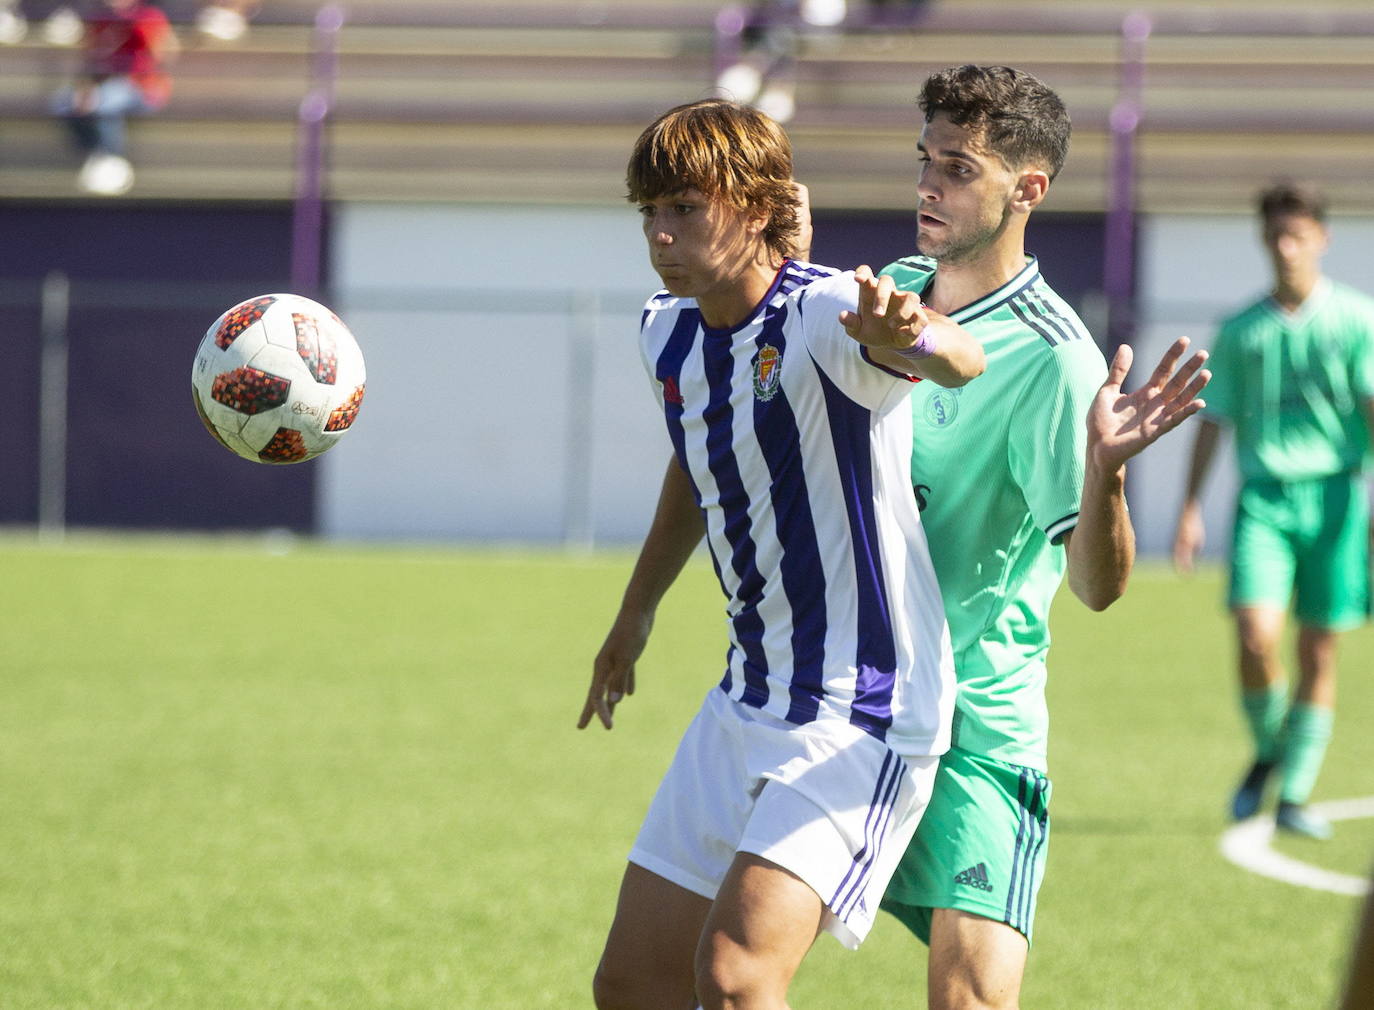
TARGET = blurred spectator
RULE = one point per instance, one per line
(126, 44)
(61, 24)
(226, 20)
(13, 27)
(764, 74)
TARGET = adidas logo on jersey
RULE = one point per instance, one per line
(975, 876)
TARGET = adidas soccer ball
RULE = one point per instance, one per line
(278, 379)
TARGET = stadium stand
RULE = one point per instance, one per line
(529, 101)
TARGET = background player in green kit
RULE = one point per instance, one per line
(1294, 377)
(1017, 481)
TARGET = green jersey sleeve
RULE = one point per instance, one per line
(1048, 433)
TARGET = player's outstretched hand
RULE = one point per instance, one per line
(886, 317)
(1120, 425)
(613, 671)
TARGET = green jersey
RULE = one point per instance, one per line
(1291, 383)
(997, 468)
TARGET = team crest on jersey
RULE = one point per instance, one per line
(942, 407)
(767, 372)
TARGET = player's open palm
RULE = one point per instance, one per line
(1122, 424)
(613, 670)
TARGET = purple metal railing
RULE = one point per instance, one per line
(728, 25)
(1118, 268)
(307, 226)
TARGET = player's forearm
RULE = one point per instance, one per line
(956, 357)
(673, 536)
(1101, 548)
(1204, 448)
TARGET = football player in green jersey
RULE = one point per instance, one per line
(1295, 379)
(1019, 480)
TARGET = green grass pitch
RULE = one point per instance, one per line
(240, 776)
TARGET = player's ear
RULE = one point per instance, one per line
(1031, 186)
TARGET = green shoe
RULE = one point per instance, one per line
(1299, 820)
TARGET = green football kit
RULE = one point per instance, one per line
(1292, 385)
(997, 469)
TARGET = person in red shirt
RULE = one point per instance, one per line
(126, 46)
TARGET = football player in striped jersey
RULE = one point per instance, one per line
(784, 388)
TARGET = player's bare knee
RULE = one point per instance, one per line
(966, 994)
(613, 990)
(1258, 633)
(728, 977)
(608, 992)
(718, 989)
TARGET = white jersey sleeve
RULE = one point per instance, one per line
(843, 359)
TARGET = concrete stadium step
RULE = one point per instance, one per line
(494, 111)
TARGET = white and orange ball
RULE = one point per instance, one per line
(278, 379)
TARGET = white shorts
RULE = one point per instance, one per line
(825, 801)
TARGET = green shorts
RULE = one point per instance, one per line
(980, 847)
(1306, 542)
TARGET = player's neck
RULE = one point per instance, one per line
(731, 304)
(1290, 293)
(958, 284)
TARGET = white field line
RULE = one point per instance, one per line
(1247, 844)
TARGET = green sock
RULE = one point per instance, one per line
(1309, 731)
(1265, 711)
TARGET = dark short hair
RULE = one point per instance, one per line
(1021, 119)
(728, 151)
(1292, 198)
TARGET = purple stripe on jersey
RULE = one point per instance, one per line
(876, 656)
(880, 808)
(668, 371)
(908, 376)
(719, 416)
(797, 274)
(803, 578)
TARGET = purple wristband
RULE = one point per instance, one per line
(925, 345)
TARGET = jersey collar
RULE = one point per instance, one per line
(1310, 306)
(990, 301)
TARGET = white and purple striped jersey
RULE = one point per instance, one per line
(797, 447)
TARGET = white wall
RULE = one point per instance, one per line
(505, 398)
(1195, 270)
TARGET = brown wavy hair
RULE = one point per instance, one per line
(729, 152)
(1292, 198)
(1021, 119)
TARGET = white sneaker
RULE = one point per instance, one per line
(221, 23)
(63, 27)
(106, 175)
(823, 13)
(13, 28)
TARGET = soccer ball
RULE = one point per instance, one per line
(278, 379)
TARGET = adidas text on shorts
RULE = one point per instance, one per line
(980, 848)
